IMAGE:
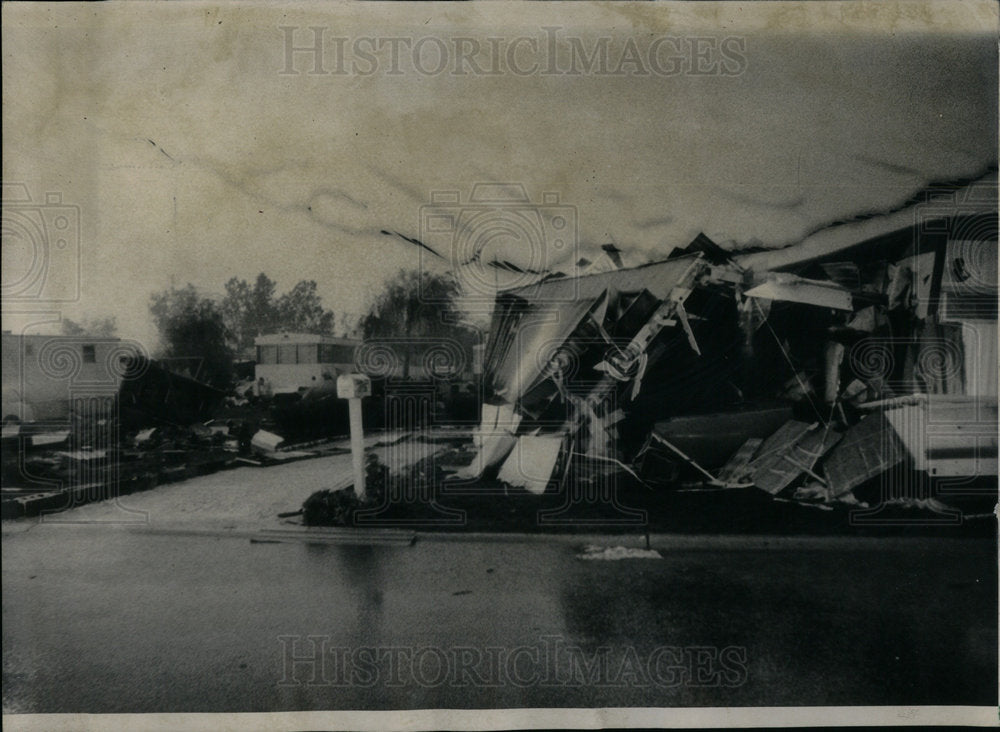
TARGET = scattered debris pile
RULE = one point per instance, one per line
(616, 553)
(850, 369)
(93, 458)
(152, 393)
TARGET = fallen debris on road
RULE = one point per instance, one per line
(616, 553)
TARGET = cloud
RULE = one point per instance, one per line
(193, 158)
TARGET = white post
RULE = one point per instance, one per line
(353, 387)
(357, 447)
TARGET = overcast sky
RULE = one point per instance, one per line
(192, 158)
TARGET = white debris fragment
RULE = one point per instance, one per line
(264, 441)
(614, 553)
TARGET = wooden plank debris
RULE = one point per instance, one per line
(737, 467)
(867, 449)
(777, 472)
(769, 456)
(788, 434)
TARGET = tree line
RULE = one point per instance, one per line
(213, 333)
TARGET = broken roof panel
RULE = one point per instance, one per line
(658, 277)
(532, 322)
(790, 288)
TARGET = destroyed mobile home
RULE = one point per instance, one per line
(857, 367)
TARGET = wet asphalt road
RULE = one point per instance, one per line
(107, 620)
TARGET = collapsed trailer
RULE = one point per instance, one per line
(867, 352)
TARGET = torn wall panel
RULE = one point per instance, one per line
(539, 331)
(946, 436)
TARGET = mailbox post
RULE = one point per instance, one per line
(354, 387)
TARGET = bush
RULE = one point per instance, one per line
(336, 507)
